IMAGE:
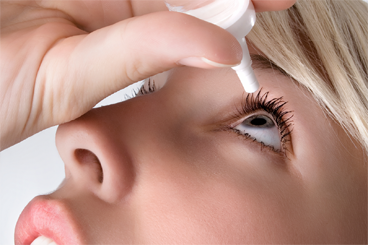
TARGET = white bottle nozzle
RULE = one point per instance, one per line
(239, 25)
(236, 16)
(245, 71)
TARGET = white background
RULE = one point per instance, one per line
(30, 168)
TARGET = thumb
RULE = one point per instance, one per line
(82, 70)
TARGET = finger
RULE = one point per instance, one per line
(188, 5)
(91, 15)
(80, 71)
(272, 5)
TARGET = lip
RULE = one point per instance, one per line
(50, 218)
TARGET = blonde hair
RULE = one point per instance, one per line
(322, 44)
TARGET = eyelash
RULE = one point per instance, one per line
(252, 103)
(151, 88)
(276, 108)
(142, 90)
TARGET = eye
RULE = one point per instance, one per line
(261, 128)
(265, 121)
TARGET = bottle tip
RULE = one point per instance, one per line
(248, 80)
(250, 87)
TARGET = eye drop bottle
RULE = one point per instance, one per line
(236, 16)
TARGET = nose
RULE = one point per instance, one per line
(95, 151)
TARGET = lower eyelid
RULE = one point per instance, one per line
(283, 153)
(250, 137)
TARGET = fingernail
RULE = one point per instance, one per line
(202, 62)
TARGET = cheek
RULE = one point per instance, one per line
(215, 212)
(331, 167)
(213, 198)
(322, 148)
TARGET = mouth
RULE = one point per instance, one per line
(42, 240)
(48, 221)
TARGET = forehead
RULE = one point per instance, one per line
(268, 73)
(225, 84)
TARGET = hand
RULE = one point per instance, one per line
(259, 5)
(60, 58)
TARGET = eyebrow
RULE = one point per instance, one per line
(261, 62)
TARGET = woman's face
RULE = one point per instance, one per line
(172, 167)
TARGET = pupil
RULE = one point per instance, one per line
(258, 121)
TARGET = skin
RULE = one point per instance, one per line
(170, 176)
(60, 57)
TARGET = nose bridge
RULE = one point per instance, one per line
(98, 148)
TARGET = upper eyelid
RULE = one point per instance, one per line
(244, 117)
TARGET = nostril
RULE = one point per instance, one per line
(86, 157)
